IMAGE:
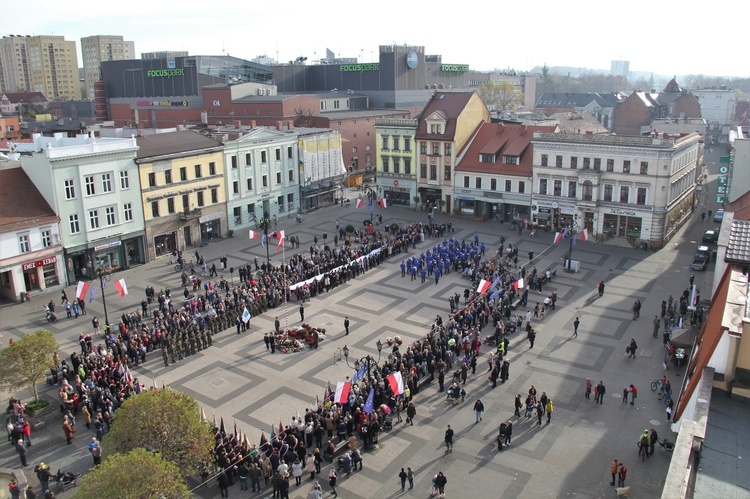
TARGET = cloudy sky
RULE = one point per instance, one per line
(660, 37)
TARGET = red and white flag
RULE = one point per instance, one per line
(82, 290)
(121, 287)
(518, 284)
(253, 234)
(558, 237)
(342, 392)
(360, 202)
(484, 285)
(584, 234)
(282, 240)
(383, 203)
(396, 382)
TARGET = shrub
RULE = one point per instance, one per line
(394, 228)
(350, 228)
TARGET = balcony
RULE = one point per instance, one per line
(190, 214)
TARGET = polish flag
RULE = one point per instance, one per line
(282, 239)
(383, 203)
(584, 234)
(558, 237)
(483, 286)
(82, 290)
(253, 234)
(396, 382)
(342, 392)
(518, 284)
(121, 287)
(360, 203)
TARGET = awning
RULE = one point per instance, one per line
(543, 216)
(684, 338)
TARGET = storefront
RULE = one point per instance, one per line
(134, 251)
(429, 197)
(467, 205)
(632, 224)
(40, 274)
(559, 213)
(165, 244)
(210, 226)
(397, 193)
(82, 262)
(109, 256)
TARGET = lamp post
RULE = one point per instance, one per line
(264, 224)
(371, 195)
(104, 276)
(572, 226)
(369, 359)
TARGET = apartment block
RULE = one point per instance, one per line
(45, 63)
(98, 48)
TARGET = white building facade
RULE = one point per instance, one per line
(396, 158)
(639, 188)
(717, 104)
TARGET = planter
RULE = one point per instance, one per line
(36, 409)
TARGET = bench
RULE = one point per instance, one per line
(341, 445)
(552, 273)
(516, 303)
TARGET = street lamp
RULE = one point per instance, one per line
(371, 195)
(264, 224)
(572, 226)
(104, 276)
(368, 359)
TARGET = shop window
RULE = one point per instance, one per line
(170, 205)
(127, 210)
(493, 184)
(214, 195)
(466, 182)
(155, 209)
(608, 191)
(124, 180)
(167, 176)
(201, 202)
(574, 162)
(70, 189)
(237, 212)
(75, 227)
(46, 238)
(251, 210)
(183, 174)
(610, 165)
(597, 164)
(109, 213)
(407, 166)
(423, 170)
(152, 179)
(23, 243)
(626, 166)
(644, 167)
(90, 187)
(106, 182)
(572, 189)
(624, 194)
(557, 189)
(543, 186)
(50, 275)
(642, 196)
(478, 183)
(558, 161)
(290, 201)
(545, 160)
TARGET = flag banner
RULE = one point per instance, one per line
(360, 202)
(383, 203)
(584, 234)
(558, 237)
(253, 234)
(263, 241)
(360, 372)
(396, 382)
(342, 392)
(282, 240)
(369, 409)
(566, 231)
(82, 289)
(246, 316)
(121, 287)
(484, 285)
(495, 295)
(518, 284)
(92, 293)
(273, 432)
(495, 283)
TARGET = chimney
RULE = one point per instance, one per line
(290, 125)
(252, 123)
(524, 129)
(237, 123)
(279, 125)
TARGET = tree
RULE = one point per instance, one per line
(303, 117)
(27, 361)
(164, 421)
(501, 96)
(137, 474)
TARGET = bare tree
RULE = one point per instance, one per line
(501, 96)
(303, 117)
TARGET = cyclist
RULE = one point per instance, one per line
(643, 443)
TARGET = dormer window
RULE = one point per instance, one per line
(436, 128)
(486, 158)
(510, 160)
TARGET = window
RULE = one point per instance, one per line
(574, 162)
(94, 219)
(396, 143)
(436, 148)
(587, 190)
(186, 202)
(545, 159)
(644, 167)
(396, 164)
(46, 238)
(278, 158)
(608, 188)
(214, 195)
(423, 147)
(237, 212)
(183, 174)
(610, 165)
(558, 161)
(155, 209)
(433, 172)
(106, 182)
(212, 168)
(521, 187)
(641, 195)
(75, 228)
(586, 163)
(290, 201)
(236, 187)
(407, 144)
(167, 176)
(486, 158)
(278, 178)
(626, 166)
(280, 202)
(124, 180)
(508, 186)
(127, 211)
(466, 182)
(198, 173)
(265, 180)
(542, 186)
(110, 214)
(572, 189)
(478, 183)
(234, 161)
(423, 170)
(493, 184)
(386, 166)
(263, 157)
(597, 164)
(23, 243)
(90, 188)
(557, 188)
(70, 189)
(291, 176)
(249, 184)
(289, 152)
(624, 194)
(385, 142)
(407, 166)
(248, 159)
(201, 203)
(152, 179)
(447, 172)
(447, 149)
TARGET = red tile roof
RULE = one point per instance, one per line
(21, 204)
(16, 97)
(449, 106)
(502, 139)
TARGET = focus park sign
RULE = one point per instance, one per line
(165, 73)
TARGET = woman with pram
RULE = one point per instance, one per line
(504, 434)
(456, 394)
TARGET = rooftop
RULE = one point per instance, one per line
(183, 142)
(21, 205)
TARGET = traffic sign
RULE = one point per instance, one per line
(720, 199)
(722, 189)
(723, 179)
(723, 169)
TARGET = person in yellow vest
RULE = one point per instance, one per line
(549, 410)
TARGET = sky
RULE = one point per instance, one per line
(515, 35)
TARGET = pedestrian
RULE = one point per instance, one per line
(440, 482)
(539, 413)
(448, 439)
(277, 326)
(13, 488)
(411, 411)
(600, 288)
(670, 406)
(21, 449)
(633, 394)
(625, 395)
(96, 452)
(332, 476)
(613, 469)
(657, 323)
(633, 347)
(68, 430)
(518, 404)
(346, 326)
(63, 297)
(621, 475)
(403, 476)
(410, 476)
(95, 324)
(223, 483)
(600, 391)
(532, 337)
(302, 312)
(653, 439)
(548, 409)
(576, 323)
(587, 396)
(703, 216)
(479, 410)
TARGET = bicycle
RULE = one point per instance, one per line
(180, 266)
(657, 384)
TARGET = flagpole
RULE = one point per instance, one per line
(104, 276)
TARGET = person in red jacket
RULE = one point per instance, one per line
(633, 394)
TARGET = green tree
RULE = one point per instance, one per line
(136, 475)
(502, 96)
(27, 361)
(164, 421)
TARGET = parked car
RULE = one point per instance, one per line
(701, 258)
(711, 236)
(719, 216)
